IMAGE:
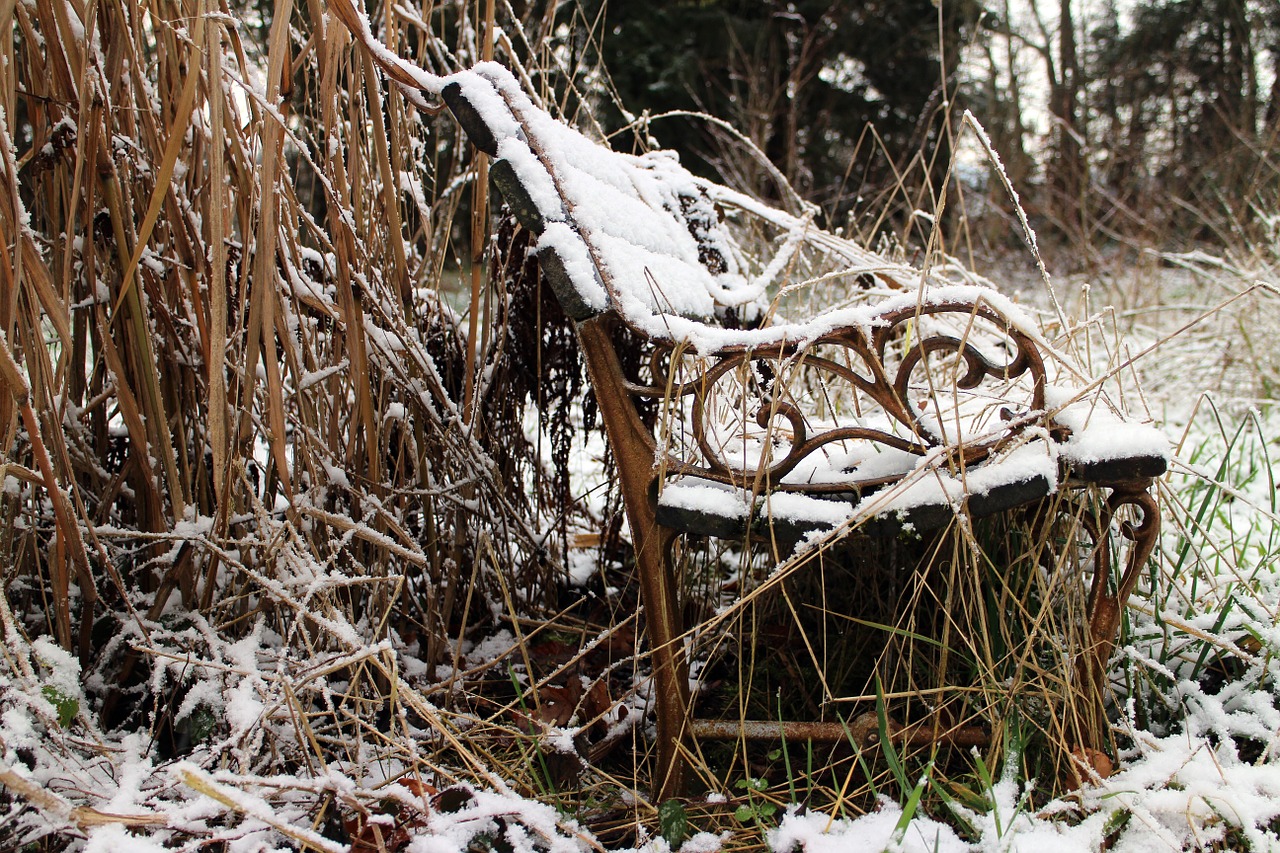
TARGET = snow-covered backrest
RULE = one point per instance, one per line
(633, 234)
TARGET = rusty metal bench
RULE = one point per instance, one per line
(914, 401)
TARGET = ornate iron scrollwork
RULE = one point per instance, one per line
(916, 376)
(1105, 604)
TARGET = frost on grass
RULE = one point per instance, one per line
(235, 785)
(299, 701)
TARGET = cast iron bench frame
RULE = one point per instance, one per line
(644, 463)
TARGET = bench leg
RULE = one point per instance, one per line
(1104, 605)
(633, 449)
(670, 669)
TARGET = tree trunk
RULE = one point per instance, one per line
(1069, 167)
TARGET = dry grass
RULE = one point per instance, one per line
(233, 390)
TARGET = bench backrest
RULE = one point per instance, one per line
(634, 234)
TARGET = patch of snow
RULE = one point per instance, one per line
(582, 566)
(713, 498)
(788, 506)
(62, 670)
(815, 832)
(115, 838)
(1098, 434)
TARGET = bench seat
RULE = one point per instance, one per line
(925, 494)
(707, 508)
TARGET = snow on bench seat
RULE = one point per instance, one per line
(926, 498)
(1105, 448)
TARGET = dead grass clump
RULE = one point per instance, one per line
(240, 490)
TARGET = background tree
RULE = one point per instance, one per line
(1159, 123)
(1179, 101)
(1068, 166)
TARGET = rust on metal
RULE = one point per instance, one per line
(634, 448)
(1104, 605)
(862, 731)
